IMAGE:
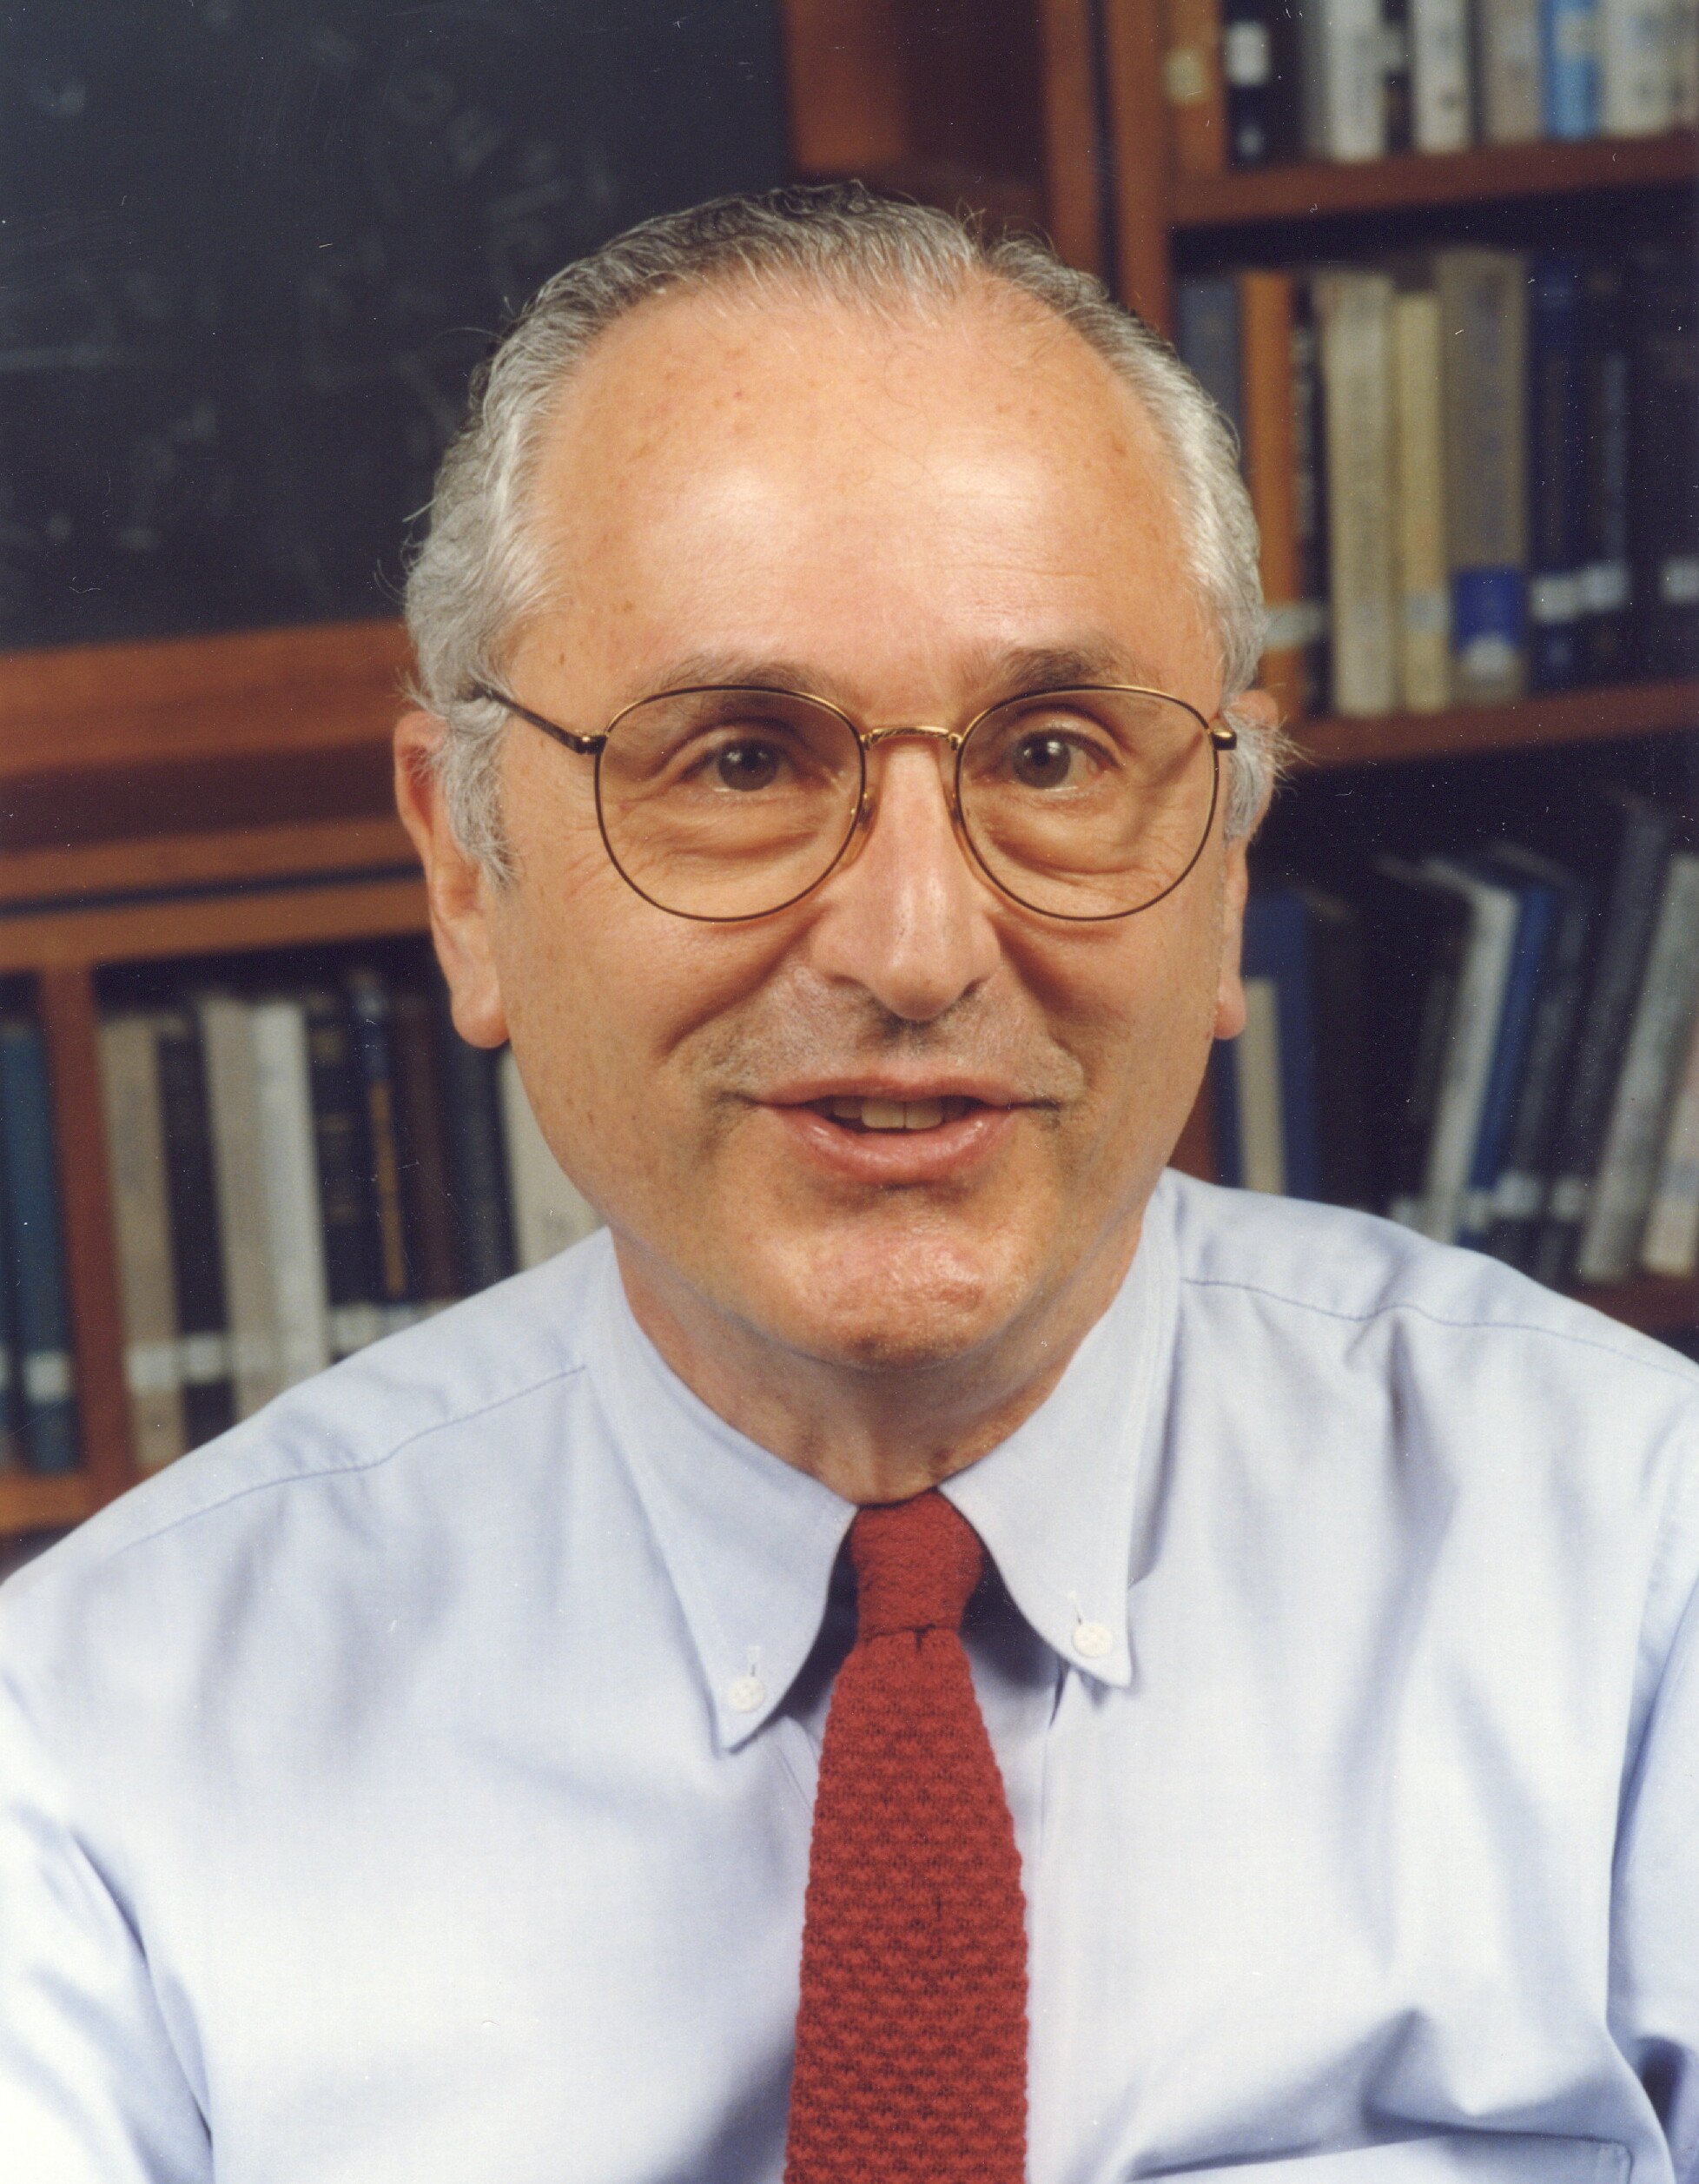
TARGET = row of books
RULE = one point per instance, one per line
(296, 1170)
(37, 1380)
(1249, 82)
(1475, 472)
(1493, 1048)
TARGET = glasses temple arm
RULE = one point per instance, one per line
(586, 746)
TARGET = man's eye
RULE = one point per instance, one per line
(748, 764)
(1043, 761)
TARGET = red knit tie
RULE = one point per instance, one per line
(911, 2035)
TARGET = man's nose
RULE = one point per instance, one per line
(910, 918)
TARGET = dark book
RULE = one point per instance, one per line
(40, 1306)
(1663, 458)
(1642, 836)
(1396, 74)
(1344, 1173)
(1604, 520)
(1277, 947)
(1538, 908)
(1206, 319)
(340, 1141)
(426, 1187)
(471, 1117)
(1414, 934)
(1259, 72)
(1309, 498)
(1524, 1175)
(368, 1016)
(1556, 471)
(197, 1262)
(12, 1443)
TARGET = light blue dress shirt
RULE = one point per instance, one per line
(414, 1787)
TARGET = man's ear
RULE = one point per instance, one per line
(1257, 705)
(457, 886)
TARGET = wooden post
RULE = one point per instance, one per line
(91, 1267)
(1139, 151)
(1072, 173)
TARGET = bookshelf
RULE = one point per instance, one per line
(172, 798)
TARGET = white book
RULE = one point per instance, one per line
(290, 1171)
(1512, 79)
(1622, 1193)
(549, 1212)
(1354, 314)
(1424, 625)
(1636, 78)
(1671, 1245)
(141, 1217)
(1440, 76)
(1262, 1150)
(1470, 1038)
(244, 1218)
(1684, 64)
(1342, 76)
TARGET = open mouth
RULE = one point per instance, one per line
(860, 1115)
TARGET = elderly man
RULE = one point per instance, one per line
(930, 1649)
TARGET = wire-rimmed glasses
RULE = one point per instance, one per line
(723, 803)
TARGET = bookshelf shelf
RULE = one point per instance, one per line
(1654, 1303)
(28, 1504)
(1561, 717)
(1248, 195)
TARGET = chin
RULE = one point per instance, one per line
(923, 1305)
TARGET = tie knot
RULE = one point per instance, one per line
(916, 1564)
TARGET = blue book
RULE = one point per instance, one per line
(1207, 337)
(1569, 55)
(1536, 919)
(41, 1309)
(10, 1447)
(1226, 1123)
(1277, 947)
(1556, 470)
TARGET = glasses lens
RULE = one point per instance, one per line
(728, 802)
(1088, 802)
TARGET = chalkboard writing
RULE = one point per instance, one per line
(251, 250)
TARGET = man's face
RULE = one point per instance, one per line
(915, 518)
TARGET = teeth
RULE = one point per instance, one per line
(896, 1115)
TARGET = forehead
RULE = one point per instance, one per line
(794, 472)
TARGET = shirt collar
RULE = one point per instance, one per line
(750, 1542)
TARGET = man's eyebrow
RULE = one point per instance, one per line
(994, 674)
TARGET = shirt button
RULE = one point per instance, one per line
(1093, 1640)
(746, 1694)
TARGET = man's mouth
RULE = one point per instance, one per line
(863, 1114)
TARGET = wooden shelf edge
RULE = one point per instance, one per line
(80, 876)
(29, 1503)
(1657, 1304)
(215, 924)
(1569, 716)
(1247, 197)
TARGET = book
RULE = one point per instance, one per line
(1664, 1014)
(1642, 838)
(1671, 1242)
(1508, 74)
(1341, 70)
(141, 1219)
(1308, 630)
(1684, 63)
(1570, 65)
(1662, 319)
(12, 1439)
(1556, 470)
(1354, 316)
(197, 1265)
(1277, 950)
(244, 1203)
(1207, 337)
(1192, 87)
(1637, 84)
(368, 1001)
(1258, 73)
(1397, 90)
(1339, 1000)
(1470, 1037)
(478, 1179)
(289, 1177)
(1424, 616)
(1538, 907)
(548, 1212)
(1414, 936)
(1270, 403)
(41, 1307)
(1482, 301)
(1605, 584)
(346, 1214)
(1257, 1075)
(422, 1135)
(1442, 95)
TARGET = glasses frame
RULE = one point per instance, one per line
(1219, 734)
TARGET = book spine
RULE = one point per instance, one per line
(1338, 991)
(1511, 94)
(1277, 948)
(1424, 622)
(428, 1203)
(1570, 56)
(1309, 629)
(368, 996)
(208, 1397)
(1605, 584)
(1519, 1196)
(472, 1120)
(244, 1215)
(1663, 458)
(142, 1218)
(1639, 1112)
(1625, 932)
(1251, 83)
(1535, 921)
(1397, 89)
(1470, 1039)
(1635, 81)
(1556, 480)
(343, 1154)
(1261, 1119)
(548, 1212)
(1441, 92)
(1483, 297)
(1671, 1245)
(290, 1175)
(12, 1439)
(1354, 312)
(1225, 1123)
(1271, 471)
(1342, 69)
(1206, 319)
(46, 1375)
(1684, 63)
(1193, 86)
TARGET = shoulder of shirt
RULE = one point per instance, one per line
(466, 1363)
(1331, 1263)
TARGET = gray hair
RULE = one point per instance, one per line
(476, 578)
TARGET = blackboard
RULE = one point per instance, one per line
(251, 250)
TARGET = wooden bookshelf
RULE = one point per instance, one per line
(1559, 717)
